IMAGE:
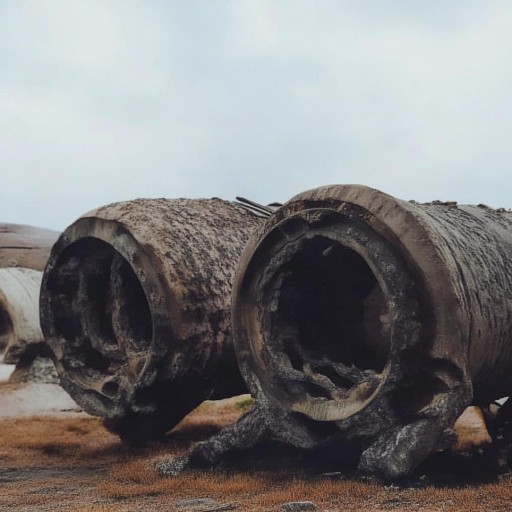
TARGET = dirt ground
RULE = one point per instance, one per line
(62, 459)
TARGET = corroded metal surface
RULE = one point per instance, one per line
(360, 316)
(25, 246)
(135, 306)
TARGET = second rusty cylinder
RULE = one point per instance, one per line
(135, 306)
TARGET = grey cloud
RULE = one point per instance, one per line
(263, 99)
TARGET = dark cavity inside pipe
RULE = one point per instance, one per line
(100, 308)
(6, 328)
(330, 308)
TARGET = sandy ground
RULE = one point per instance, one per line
(30, 399)
(54, 457)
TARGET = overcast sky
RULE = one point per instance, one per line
(109, 100)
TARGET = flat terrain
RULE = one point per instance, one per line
(66, 460)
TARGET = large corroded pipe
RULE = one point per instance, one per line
(135, 305)
(361, 316)
(25, 246)
(19, 312)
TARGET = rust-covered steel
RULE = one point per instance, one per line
(25, 246)
(20, 332)
(135, 305)
(359, 316)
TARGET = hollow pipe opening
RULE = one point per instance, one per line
(328, 305)
(100, 308)
(331, 306)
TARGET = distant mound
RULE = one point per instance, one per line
(25, 246)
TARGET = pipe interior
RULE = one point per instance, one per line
(6, 328)
(330, 306)
(99, 308)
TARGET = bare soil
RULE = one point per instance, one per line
(66, 460)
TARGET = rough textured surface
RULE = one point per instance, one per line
(25, 246)
(135, 305)
(362, 317)
(294, 506)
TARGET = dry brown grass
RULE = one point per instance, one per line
(75, 464)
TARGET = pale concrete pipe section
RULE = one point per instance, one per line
(19, 312)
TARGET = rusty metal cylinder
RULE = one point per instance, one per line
(377, 318)
(135, 305)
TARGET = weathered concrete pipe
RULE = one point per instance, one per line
(361, 316)
(19, 312)
(25, 246)
(135, 305)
